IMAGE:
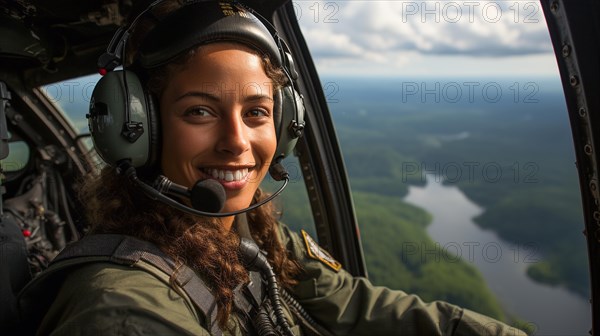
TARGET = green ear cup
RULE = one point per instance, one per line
(108, 119)
(290, 127)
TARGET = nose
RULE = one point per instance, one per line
(234, 138)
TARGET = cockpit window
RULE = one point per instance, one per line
(72, 97)
(456, 138)
(17, 158)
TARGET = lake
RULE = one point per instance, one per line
(551, 310)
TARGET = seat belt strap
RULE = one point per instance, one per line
(127, 250)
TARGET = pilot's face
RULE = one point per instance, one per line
(217, 122)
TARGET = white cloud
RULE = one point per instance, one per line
(329, 43)
(402, 32)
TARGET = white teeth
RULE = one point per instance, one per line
(227, 175)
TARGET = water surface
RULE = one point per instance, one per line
(551, 310)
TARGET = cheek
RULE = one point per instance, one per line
(267, 143)
(169, 140)
(171, 153)
(175, 145)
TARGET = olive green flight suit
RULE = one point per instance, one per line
(110, 299)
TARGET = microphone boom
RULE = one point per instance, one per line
(207, 196)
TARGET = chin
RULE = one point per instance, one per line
(235, 206)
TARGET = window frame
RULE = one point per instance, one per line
(575, 35)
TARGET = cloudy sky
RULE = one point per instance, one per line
(427, 37)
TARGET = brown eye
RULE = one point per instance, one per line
(257, 112)
(197, 112)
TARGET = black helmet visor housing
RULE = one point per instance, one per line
(202, 23)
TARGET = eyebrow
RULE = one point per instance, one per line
(199, 94)
(217, 98)
(257, 97)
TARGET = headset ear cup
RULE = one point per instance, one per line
(292, 113)
(108, 116)
(153, 115)
(277, 111)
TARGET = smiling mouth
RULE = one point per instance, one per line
(227, 175)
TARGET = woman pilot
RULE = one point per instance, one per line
(208, 95)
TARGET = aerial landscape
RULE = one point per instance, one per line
(510, 154)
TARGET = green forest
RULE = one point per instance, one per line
(514, 159)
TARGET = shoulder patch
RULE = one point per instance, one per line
(316, 252)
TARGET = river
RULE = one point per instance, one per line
(550, 310)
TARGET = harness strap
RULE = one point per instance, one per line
(126, 250)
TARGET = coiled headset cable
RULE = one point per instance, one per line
(255, 260)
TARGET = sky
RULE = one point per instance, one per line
(427, 38)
